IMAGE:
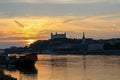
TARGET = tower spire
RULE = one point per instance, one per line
(83, 35)
(83, 38)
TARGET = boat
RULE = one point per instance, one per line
(26, 61)
(20, 60)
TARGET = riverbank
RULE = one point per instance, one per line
(91, 52)
(104, 52)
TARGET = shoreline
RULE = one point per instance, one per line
(99, 52)
(6, 77)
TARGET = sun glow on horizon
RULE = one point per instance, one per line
(26, 30)
(30, 41)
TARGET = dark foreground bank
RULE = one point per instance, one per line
(5, 77)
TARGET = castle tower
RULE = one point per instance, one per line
(51, 35)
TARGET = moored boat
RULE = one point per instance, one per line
(26, 60)
(19, 60)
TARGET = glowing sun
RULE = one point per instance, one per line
(30, 41)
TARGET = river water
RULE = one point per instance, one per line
(71, 67)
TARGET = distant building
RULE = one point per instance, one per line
(58, 36)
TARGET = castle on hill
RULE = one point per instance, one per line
(58, 36)
(63, 36)
(60, 44)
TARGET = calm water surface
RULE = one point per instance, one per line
(71, 67)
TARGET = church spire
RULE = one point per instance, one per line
(83, 35)
(83, 38)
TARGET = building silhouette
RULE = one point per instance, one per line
(83, 38)
(58, 36)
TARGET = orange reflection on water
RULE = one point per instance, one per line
(58, 68)
(72, 67)
(15, 74)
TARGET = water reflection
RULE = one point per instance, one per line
(20, 76)
(71, 67)
(61, 68)
(53, 68)
(26, 73)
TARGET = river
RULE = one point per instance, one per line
(71, 67)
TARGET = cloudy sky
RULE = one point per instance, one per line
(24, 21)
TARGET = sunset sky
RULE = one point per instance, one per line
(24, 21)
